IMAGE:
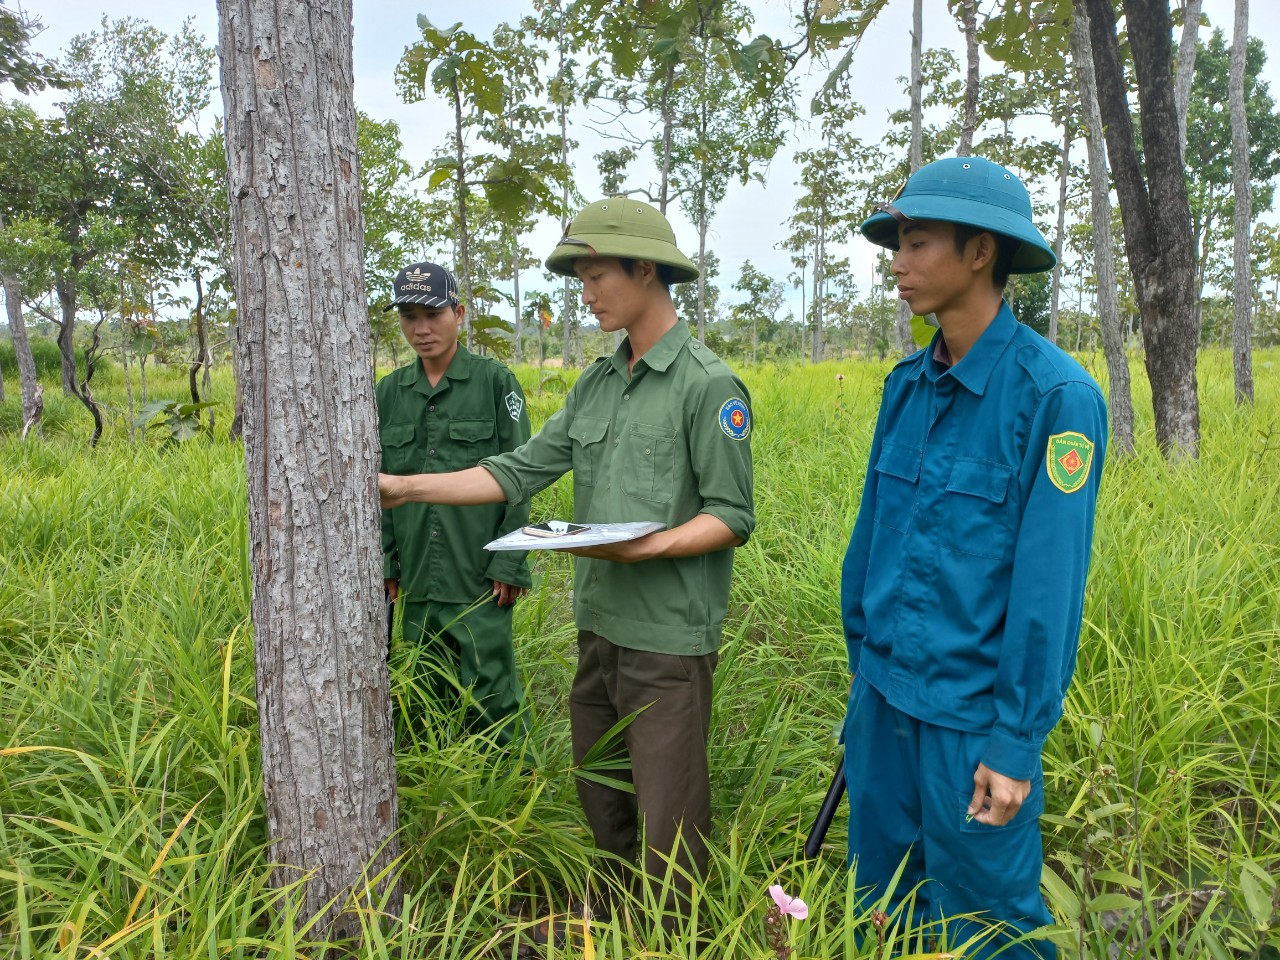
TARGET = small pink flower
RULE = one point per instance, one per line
(791, 906)
(839, 378)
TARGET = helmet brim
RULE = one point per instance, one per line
(561, 260)
(1034, 255)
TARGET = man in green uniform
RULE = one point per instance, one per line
(658, 431)
(448, 410)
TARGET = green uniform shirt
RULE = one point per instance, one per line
(476, 410)
(667, 442)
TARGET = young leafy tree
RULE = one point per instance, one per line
(759, 310)
(311, 454)
(1155, 210)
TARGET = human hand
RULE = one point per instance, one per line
(507, 593)
(393, 490)
(392, 587)
(996, 798)
(628, 551)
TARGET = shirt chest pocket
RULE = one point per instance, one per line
(897, 479)
(587, 434)
(470, 441)
(649, 462)
(397, 448)
(978, 511)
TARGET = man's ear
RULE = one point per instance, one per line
(460, 311)
(984, 250)
(646, 271)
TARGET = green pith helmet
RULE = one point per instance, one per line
(621, 227)
(972, 191)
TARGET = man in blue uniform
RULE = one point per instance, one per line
(963, 583)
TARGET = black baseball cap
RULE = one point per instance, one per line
(426, 283)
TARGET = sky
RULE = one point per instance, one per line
(748, 224)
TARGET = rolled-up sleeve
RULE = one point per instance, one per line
(510, 566)
(535, 465)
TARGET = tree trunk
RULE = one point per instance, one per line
(566, 318)
(1242, 316)
(915, 158)
(66, 290)
(28, 382)
(515, 283)
(1155, 211)
(204, 359)
(819, 282)
(702, 271)
(969, 123)
(1120, 394)
(668, 126)
(311, 451)
(1059, 241)
(1186, 68)
(464, 240)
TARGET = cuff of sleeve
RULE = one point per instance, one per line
(506, 480)
(737, 519)
(509, 567)
(1018, 759)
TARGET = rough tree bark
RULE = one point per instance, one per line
(1186, 68)
(906, 344)
(1242, 320)
(969, 121)
(66, 291)
(1155, 211)
(1059, 240)
(28, 382)
(464, 238)
(1120, 392)
(311, 450)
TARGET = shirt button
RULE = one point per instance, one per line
(432, 408)
(435, 533)
(431, 452)
(648, 452)
(615, 441)
(626, 396)
(698, 634)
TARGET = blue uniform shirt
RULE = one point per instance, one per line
(964, 580)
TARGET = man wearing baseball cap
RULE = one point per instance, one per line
(446, 410)
(963, 583)
(658, 431)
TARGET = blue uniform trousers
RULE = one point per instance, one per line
(909, 787)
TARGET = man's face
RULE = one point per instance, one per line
(431, 331)
(931, 274)
(614, 297)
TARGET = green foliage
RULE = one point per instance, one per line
(180, 420)
(28, 72)
(131, 815)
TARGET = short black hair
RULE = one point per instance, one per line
(664, 270)
(1006, 247)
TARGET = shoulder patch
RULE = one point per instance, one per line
(515, 403)
(1068, 459)
(735, 419)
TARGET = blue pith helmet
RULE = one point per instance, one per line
(972, 191)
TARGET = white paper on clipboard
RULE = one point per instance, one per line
(595, 535)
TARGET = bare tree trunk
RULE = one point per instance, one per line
(819, 282)
(1120, 393)
(906, 344)
(566, 318)
(66, 290)
(1155, 210)
(28, 382)
(1242, 316)
(1060, 239)
(464, 240)
(311, 451)
(969, 123)
(204, 359)
(702, 273)
(1186, 68)
(515, 283)
(668, 126)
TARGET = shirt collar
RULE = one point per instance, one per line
(658, 357)
(973, 370)
(459, 369)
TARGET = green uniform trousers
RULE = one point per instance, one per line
(459, 654)
(667, 749)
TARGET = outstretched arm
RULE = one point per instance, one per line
(463, 488)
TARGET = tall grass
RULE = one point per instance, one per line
(131, 820)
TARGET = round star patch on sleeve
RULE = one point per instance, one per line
(1068, 460)
(735, 419)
